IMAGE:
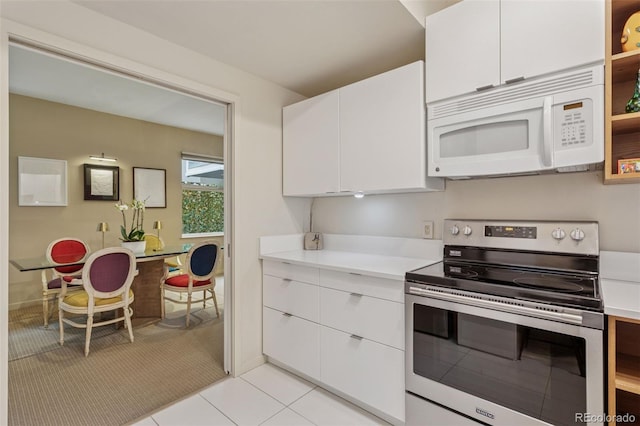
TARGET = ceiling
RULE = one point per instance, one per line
(44, 76)
(307, 46)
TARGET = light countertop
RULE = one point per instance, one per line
(620, 283)
(382, 266)
(383, 257)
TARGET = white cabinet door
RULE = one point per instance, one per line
(382, 132)
(463, 49)
(293, 297)
(310, 146)
(544, 36)
(375, 319)
(301, 273)
(381, 288)
(291, 340)
(365, 370)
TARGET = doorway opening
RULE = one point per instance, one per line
(64, 108)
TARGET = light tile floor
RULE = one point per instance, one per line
(266, 395)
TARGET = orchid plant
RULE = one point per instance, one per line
(136, 231)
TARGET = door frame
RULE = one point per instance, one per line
(12, 31)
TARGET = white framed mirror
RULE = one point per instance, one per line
(42, 182)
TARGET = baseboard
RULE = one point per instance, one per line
(24, 304)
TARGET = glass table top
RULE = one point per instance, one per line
(41, 262)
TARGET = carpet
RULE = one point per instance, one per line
(119, 381)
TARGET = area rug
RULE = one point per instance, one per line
(119, 381)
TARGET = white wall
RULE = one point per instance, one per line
(574, 196)
(256, 156)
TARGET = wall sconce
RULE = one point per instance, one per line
(102, 158)
(157, 225)
(103, 227)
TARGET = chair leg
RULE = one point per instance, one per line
(87, 339)
(188, 307)
(60, 316)
(215, 302)
(127, 321)
(45, 310)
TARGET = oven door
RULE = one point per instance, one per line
(502, 368)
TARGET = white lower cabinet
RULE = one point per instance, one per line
(291, 340)
(293, 297)
(366, 370)
(375, 319)
(343, 330)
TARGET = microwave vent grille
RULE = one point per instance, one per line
(516, 92)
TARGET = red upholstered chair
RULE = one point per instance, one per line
(106, 281)
(200, 266)
(61, 251)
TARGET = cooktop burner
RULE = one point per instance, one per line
(564, 285)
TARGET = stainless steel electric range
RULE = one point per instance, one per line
(508, 328)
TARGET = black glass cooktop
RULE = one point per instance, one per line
(541, 277)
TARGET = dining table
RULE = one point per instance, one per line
(147, 302)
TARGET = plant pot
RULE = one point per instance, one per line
(137, 247)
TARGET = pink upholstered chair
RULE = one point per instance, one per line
(200, 267)
(61, 251)
(106, 281)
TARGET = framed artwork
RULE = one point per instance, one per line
(150, 186)
(101, 182)
(42, 182)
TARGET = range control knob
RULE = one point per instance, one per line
(558, 234)
(467, 230)
(577, 234)
(455, 230)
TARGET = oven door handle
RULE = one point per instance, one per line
(500, 306)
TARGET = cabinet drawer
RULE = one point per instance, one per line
(293, 297)
(369, 317)
(362, 284)
(292, 341)
(300, 273)
(368, 371)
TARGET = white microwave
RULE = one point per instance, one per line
(554, 123)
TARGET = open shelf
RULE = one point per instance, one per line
(624, 366)
(622, 130)
(628, 373)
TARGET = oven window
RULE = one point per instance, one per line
(535, 372)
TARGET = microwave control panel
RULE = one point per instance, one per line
(573, 124)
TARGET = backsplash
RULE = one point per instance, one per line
(572, 196)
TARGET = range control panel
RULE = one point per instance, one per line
(550, 236)
(509, 231)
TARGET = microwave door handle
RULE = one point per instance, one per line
(547, 131)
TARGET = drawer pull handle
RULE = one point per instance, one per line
(487, 87)
(355, 273)
(286, 263)
(286, 314)
(287, 280)
(514, 80)
(355, 336)
(356, 295)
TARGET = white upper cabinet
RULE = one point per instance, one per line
(475, 45)
(545, 36)
(368, 136)
(462, 49)
(311, 146)
(382, 132)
